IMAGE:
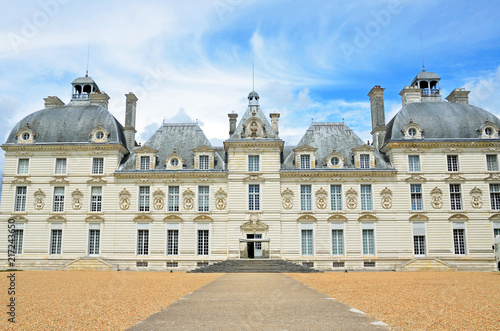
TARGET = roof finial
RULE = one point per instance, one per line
(88, 56)
(253, 69)
(422, 49)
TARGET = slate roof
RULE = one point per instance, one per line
(183, 137)
(328, 136)
(440, 120)
(239, 132)
(69, 124)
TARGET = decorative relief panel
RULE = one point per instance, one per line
(77, 197)
(220, 199)
(254, 128)
(124, 199)
(159, 199)
(188, 196)
(351, 198)
(436, 198)
(287, 198)
(21, 180)
(321, 198)
(39, 199)
(59, 180)
(476, 198)
(386, 201)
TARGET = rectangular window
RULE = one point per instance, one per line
(143, 198)
(492, 162)
(419, 238)
(452, 161)
(58, 199)
(368, 239)
(55, 241)
(203, 198)
(307, 242)
(495, 196)
(366, 197)
(60, 166)
(18, 239)
(416, 197)
(305, 198)
(414, 163)
(173, 198)
(20, 203)
(337, 242)
(253, 163)
(142, 241)
(336, 197)
(145, 163)
(305, 161)
(172, 242)
(98, 166)
(459, 238)
(94, 239)
(496, 230)
(96, 199)
(364, 161)
(455, 197)
(254, 197)
(203, 242)
(203, 162)
(23, 166)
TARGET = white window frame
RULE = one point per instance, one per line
(173, 198)
(55, 242)
(307, 239)
(203, 198)
(414, 163)
(364, 161)
(495, 196)
(306, 197)
(254, 197)
(23, 166)
(96, 198)
(203, 240)
(60, 166)
(368, 238)
(20, 198)
(416, 197)
(143, 239)
(496, 229)
(366, 197)
(492, 162)
(336, 197)
(305, 161)
(338, 240)
(94, 243)
(456, 202)
(419, 239)
(144, 198)
(59, 196)
(145, 162)
(98, 166)
(459, 238)
(203, 162)
(452, 163)
(172, 248)
(18, 238)
(253, 163)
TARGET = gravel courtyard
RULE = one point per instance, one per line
(87, 300)
(417, 300)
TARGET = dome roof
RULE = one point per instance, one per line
(69, 124)
(253, 94)
(440, 120)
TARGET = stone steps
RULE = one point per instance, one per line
(254, 265)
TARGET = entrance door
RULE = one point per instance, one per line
(250, 247)
(258, 246)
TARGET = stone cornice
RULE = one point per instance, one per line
(472, 143)
(245, 143)
(63, 147)
(336, 174)
(170, 175)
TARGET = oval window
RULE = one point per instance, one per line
(334, 160)
(26, 136)
(99, 135)
(174, 162)
(488, 131)
(412, 132)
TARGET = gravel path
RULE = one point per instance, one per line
(93, 300)
(417, 300)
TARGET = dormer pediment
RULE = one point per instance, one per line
(304, 148)
(145, 150)
(203, 148)
(364, 148)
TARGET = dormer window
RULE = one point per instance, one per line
(174, 162)
(488, 130)
(412, 131)
(203, 162)
(305, 161)
(364, 161)
(204, 157)
(26, 135)
(335, 160)
(99, 135)
(145, 163)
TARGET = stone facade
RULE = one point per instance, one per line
(424, 196)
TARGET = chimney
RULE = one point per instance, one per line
(129, 129)
(99, 99)
(232, 122)
(378, 115)
(52, 102)
(410, 94)
(274, 121)
(459, 95)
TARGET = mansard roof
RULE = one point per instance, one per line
(326, 137)
(69, 124)
(440, 120)
(181, 137)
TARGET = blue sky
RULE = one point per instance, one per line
(192, 60)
